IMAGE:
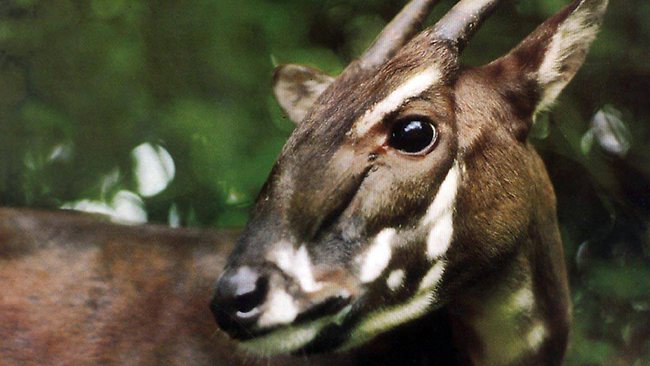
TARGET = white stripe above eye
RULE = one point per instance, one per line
(412, 88)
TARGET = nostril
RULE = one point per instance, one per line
(250, 296)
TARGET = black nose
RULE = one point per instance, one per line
(239, 295)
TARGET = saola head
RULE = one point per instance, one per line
(407, 178)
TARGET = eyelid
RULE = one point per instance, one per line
(413, 116)
(399, 113)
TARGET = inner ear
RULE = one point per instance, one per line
(551, 56)
(297, 87)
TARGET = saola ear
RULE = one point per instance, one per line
(297, 87)
(551, 56)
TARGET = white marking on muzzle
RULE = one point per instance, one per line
(285, 340)
(293, 337)
(281, 309)
(412, 88)
(377, 257)
(296, 264)
(433, 277)
(395, 279)
(439, 216)
(382, 320)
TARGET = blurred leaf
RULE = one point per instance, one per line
(623, 283)
(587, 142)
(541, 127)
(611, 132)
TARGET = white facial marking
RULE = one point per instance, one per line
(297, 264)
(572, 38)
(439, 215)
(433, 276)
(293, 337)
(281, 309)
(413, 87)
(377, 257)
(380, 321)
(536, 336)
(523, 300)
(395, 279)
(285, 340)
(440, 236)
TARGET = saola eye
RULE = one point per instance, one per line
(413, 135)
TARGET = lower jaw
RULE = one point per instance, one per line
(287, 340)
(316, 336)
(293, 338)
(388, 318)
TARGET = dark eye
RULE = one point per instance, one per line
(413, 135)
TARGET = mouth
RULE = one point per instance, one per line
(284, 337)
(344, 329)
(308, 334)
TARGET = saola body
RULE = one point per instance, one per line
(77, 290)
(409, 188)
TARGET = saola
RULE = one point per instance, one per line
(409, 188)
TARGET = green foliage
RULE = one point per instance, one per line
(83, 83)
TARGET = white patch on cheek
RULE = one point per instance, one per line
(377, 257)
(439, 216)
(297, 264)
(413, 87)
(440, 236)
(433, 276)
(395, 279)
(281, 309)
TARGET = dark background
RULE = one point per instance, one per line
(161, 111)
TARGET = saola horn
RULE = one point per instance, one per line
(397, 33)
(463, 20)
(458, 26)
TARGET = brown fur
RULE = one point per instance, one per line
(99, 293)
(77, 291)
(337, 187)
(513, 204)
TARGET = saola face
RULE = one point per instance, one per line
(388, 198)
(348, 213)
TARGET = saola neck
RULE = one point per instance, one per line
(513, 320)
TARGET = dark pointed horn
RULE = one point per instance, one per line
(463, 20)
(397, 33)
